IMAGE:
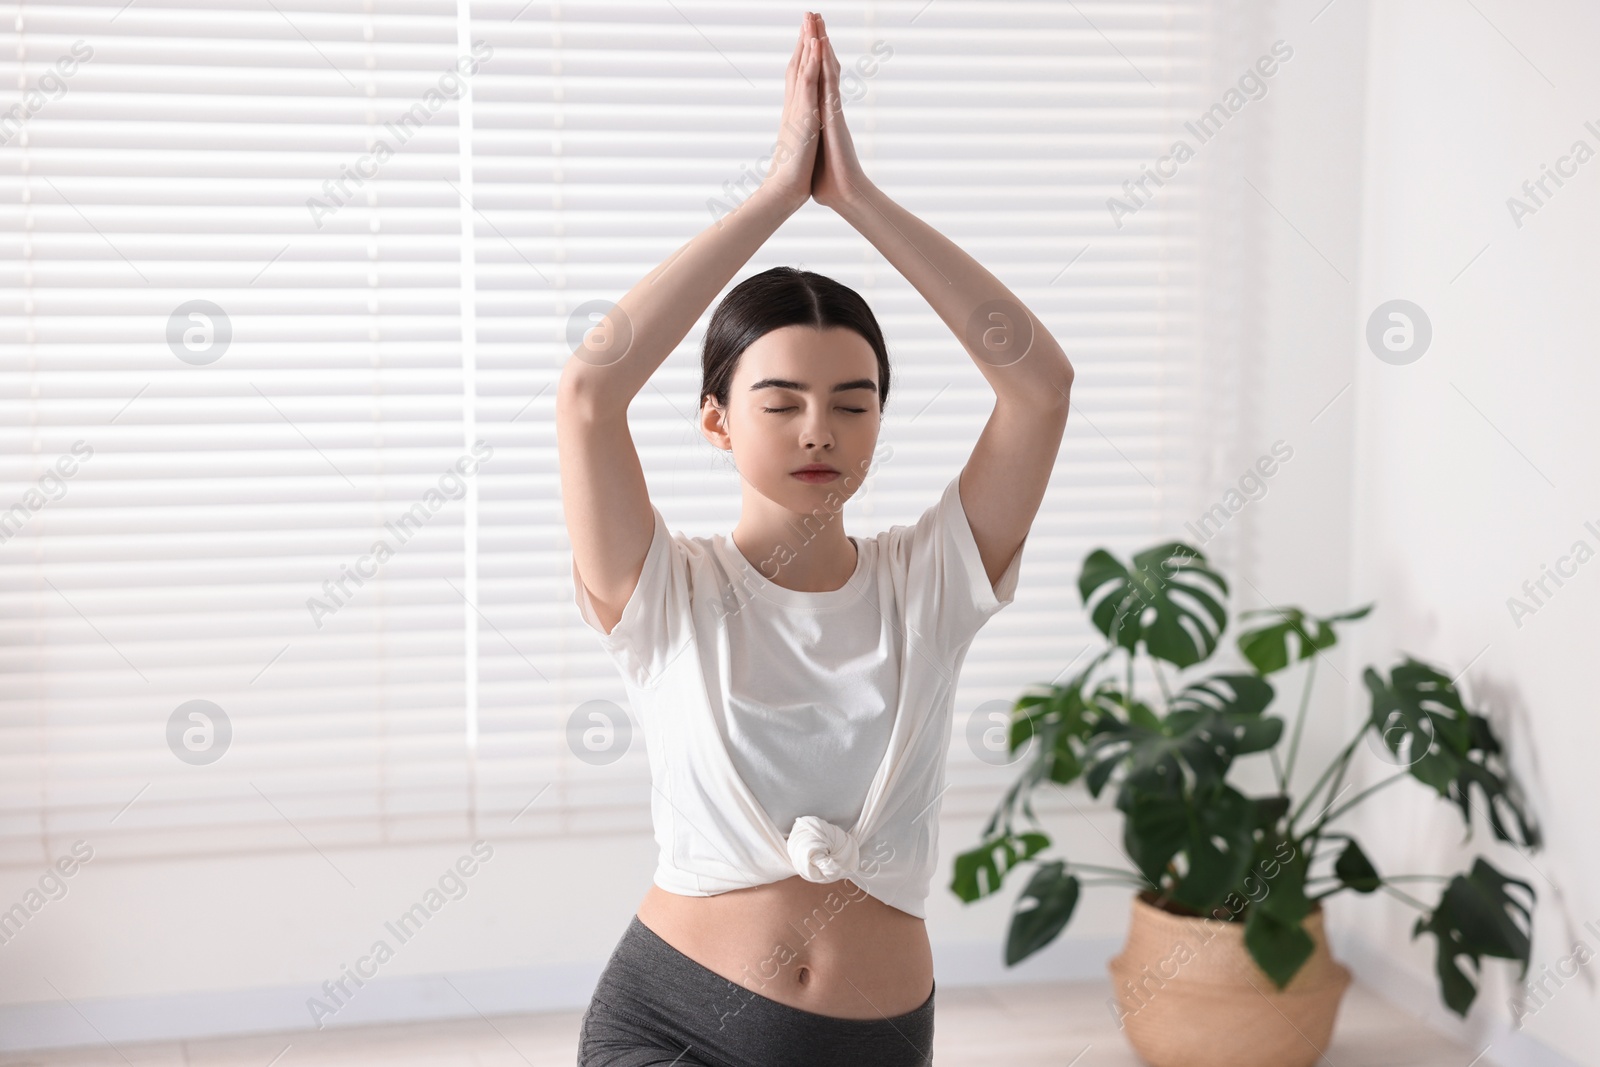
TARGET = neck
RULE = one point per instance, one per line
(794, 554)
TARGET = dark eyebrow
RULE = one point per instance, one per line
(802, 387)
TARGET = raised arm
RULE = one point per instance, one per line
(1004, 480)
(603, 491)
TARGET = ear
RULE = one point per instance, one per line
(714, 424)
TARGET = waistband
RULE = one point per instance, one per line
(659, 987)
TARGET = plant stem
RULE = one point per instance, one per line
(1407, 897)
(1353, 801)
(1130, 677)
(1344, 764)
(1337, 768)
(1386, 878)
(1299, 725)
(1337, 761)
(1166, 694)
(1413, 901)
(1105, 870)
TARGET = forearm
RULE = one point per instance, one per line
(1020, 359)
(613, 364)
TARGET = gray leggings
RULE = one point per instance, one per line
(654, 1006)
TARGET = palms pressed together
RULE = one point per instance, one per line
(816, 157)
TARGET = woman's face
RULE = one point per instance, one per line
(800, 396)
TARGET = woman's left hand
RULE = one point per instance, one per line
(836, 177)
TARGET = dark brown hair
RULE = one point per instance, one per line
(771, 300)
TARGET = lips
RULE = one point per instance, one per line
(815, 468)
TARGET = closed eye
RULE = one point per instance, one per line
(779, 411)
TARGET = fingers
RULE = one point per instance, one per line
(807, 68)
(797, 59)
(830, 83)
(799, 43)
(827, 70)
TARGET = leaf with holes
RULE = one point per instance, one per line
(1267, 647)
(1172, 585)
(1214, 835)
(1042, 911)
(1478, 916)
(1421, 718)
(981, 871)
(1210, 723)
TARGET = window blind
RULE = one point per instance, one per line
(288, 287)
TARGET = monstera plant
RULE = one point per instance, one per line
(1191, 835)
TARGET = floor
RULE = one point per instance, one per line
(1059, 1024)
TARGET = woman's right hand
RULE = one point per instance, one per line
(795, 152)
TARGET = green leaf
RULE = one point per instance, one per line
(1478, 916)
(1279, 948)
(980, 871)
(1267, 647)
(1218, 852)
(1142, 715)
(1027, 714)
(1211, 722)
(1042, 911)
(1155, 828)
(1215, 835)
(1063, 719)
(1270, 811)
(1422, 721)
(1057, 720)
(1167, 600)
(1225, 713)
(1419, 718)
(1355, 870)
(1098, 775)
(1065, 766)
(1285, 889)
(1502, 800)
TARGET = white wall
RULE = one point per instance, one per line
(1476, 464)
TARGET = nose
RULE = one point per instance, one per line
(816, 434)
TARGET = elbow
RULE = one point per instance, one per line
(1061, 366)
(1054, 392)
(1061, 379)
(580, 390)
(574, 388)
(1064, 382)
(1061, 397)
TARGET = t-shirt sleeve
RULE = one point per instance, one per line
(949, 596)
(656, 621)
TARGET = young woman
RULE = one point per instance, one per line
(794, 684)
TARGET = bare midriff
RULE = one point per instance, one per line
(829, 948)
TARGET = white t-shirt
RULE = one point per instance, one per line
(801, 733)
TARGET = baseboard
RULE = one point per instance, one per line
(192, 1015)
(1420, 997)
(1066, 959)
(552, 987)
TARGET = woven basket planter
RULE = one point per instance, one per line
(1190, 995)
